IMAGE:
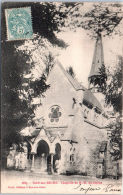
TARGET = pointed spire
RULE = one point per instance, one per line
(98, 58)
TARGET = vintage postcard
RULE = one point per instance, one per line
(62, 65)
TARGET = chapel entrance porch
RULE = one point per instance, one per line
(43, 161)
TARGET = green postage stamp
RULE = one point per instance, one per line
(19, 23)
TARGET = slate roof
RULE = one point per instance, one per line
(90, 98)
(98, 58)
(88, 95)
(72, 80)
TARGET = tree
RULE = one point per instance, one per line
(17, 111)
(100, 18)
(19, 87)
(100, 80)
(116, 140)
(103, 19)
(42, 58)
(113, 96)
(46, 16)
(23, 62)
(106, 20)
(114, 86)
(110, 84)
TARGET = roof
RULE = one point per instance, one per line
(88, 95)
(98, 58)
(72, 80)
(90, 98)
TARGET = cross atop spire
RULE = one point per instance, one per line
(98, 58)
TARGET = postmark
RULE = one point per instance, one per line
(19, 23)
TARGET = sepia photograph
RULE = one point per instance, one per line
(61, 84)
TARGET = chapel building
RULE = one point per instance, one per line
(71, 134)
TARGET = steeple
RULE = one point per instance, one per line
(97, 63)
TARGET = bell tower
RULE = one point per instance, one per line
(94, 78)
(97, 75)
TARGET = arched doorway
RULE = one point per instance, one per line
(56, 157)
(41, 156)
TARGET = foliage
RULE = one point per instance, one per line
(23, 64)
(111, 86)
(103, 19)
(46, 19)
(96, 18)
(114, 97)
(16, 111)
(100, 80)
(26, 64)
(114, 86)
(115, 140)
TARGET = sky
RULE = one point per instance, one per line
(79, 53)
